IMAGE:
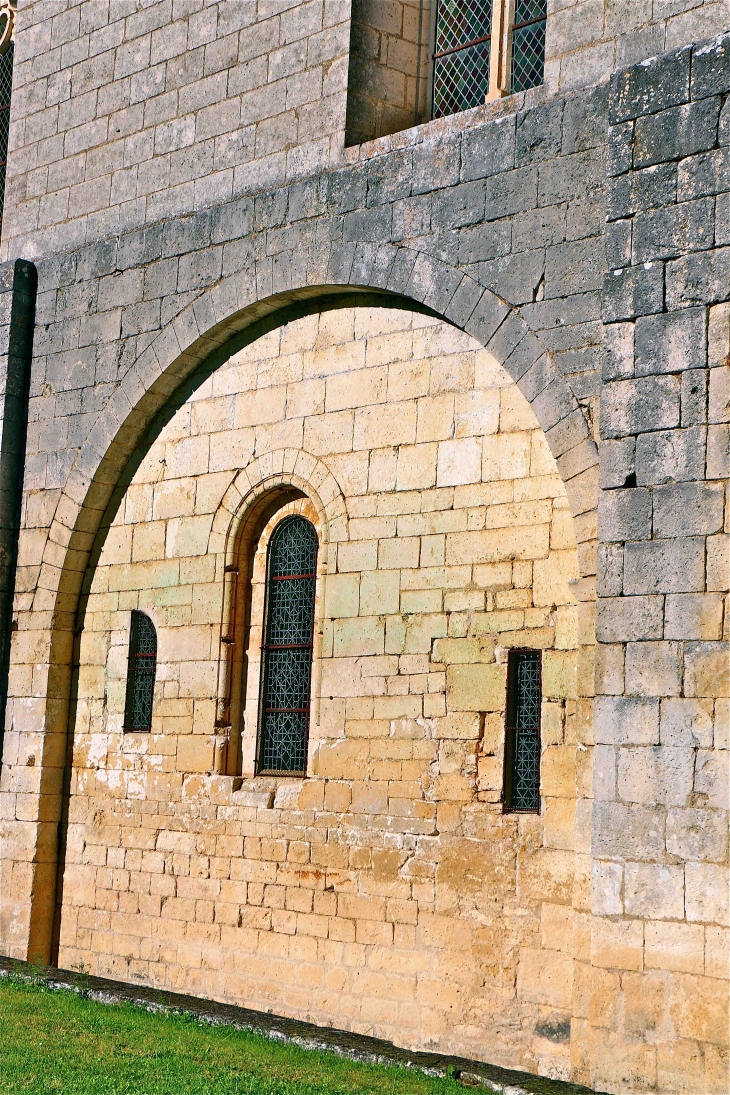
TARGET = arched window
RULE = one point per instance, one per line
(141, 669)
(286, 664)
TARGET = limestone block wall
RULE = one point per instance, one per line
(387, 888)
(660, 831)
(587, 40)
(125, 113)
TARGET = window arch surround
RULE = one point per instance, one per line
(261, 497)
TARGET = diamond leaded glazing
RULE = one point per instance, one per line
(287, 652)
(528, 44)
(6, 87)
(461, 55)
(523, 714)
(141, 670)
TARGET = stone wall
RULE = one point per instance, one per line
(493, 221)
(17, 306)
(125, 113)
(660, 827)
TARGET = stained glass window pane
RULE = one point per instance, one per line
(141, 670)
(523, 721)
(6, 86)
(528, 44)
(287, 652)
(461, 55)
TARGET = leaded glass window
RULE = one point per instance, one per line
(141, 670)
(461, 55)
(6, 87)
(522, 744)
(287, 648)
(528, 44)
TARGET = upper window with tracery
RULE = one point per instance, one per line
(141, 671)
(286, 669)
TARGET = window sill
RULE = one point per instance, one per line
(267, 792)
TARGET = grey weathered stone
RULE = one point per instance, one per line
(651, 188)
(664, 566)
(618, 462)
(618, 344)
(701, 278)
(705, 174)
(697, 835)
(618, 243)
(610, 572)
(621, 619)
(688, 509)
(667, 233)
(670, 342)
(585, 118)
(711, 67)
(650, 86)
(676, 133)
(630, 831)
(620, 149)
(693, 616)
(488, 150)
(665, 455)
(624, 515)
(633, 291)
(539, 134)
(510, 192)
(694, 397)
(633, 406)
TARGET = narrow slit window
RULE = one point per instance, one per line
(287, 648)
(522, 738)
(141, 670)
(528, 44)
(461, 55)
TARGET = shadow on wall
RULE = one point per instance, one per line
(388, 85)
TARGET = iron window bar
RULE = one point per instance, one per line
(141, 673)
(522, 732)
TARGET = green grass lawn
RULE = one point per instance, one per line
(60, 1041)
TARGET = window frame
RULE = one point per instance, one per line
(501, 52)
(510, 731)
(133, 668)
(259, 769)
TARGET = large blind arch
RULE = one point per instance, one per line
(287, 647)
